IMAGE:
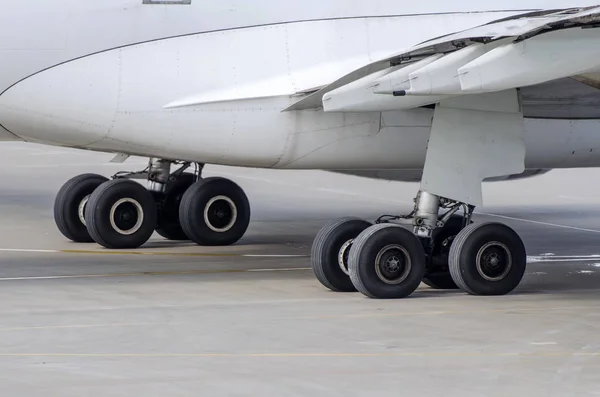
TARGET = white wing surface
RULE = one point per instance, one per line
(516, 52)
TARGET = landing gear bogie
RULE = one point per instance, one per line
(120, 213)
(438, 272)
(448, 251)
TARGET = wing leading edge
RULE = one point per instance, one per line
(511, 53)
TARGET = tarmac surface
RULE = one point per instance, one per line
(175, 319)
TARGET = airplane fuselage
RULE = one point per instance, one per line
(377, 88)
(207, 81)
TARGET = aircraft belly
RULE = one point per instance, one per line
(549, 144)
(246, 133)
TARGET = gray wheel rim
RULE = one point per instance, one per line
(491, 263)
(395, 262)
(230, 223)
(81, 209)
(343, 256)
(139, 213)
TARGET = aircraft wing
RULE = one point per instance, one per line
(515, 52)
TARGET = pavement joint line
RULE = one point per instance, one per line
(48, 327)
(538, 354)
(408, 313)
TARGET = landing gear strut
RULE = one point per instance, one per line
(438, 271)
(387, 260)
(120, 213)
(169, 224)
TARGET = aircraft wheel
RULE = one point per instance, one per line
(438, 272)
(120, 214)
(214, 212)
(487, 259)
(330, 250)
(387, 262)
(70, 203)
(169, 225)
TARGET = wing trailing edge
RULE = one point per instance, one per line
(506, 54)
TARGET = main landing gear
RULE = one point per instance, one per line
(386, 260)
(472, 137)
(120, 213)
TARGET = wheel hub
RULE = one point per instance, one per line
(220, 214)
(81, 209)
(494, 261)
(343, 256)
(126, 216)
(393, 264)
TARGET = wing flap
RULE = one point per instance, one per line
(510, 53)
(543, 58)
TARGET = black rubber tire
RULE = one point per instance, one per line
(441, 280)
(326, 248)
(194, 203)
(66, 206)
(363, 256)
(97, 214)
(438, 274)
(464, 252)
(168, 222)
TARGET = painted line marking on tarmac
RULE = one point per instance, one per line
(308, 355)
(530, 259)
(562, 258)
(552, 256)
(174, 273)
(48, 327)
(28, 250)
(149, 253)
